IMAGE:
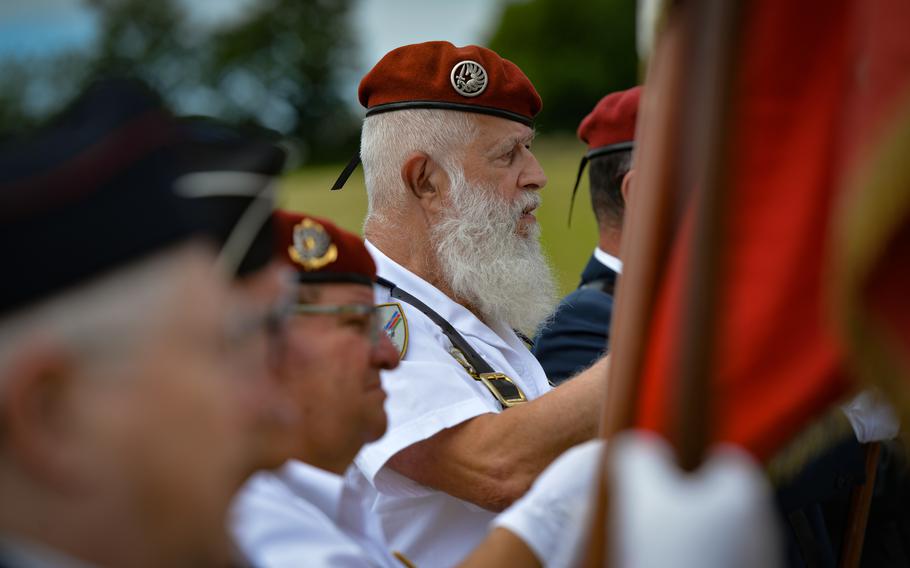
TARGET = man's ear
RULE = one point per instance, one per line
(36, 413)
(626, 187)
(423, 177)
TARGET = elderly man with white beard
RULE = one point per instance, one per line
(452, 188)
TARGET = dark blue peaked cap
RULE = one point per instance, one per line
(227, 186)
(96, 188)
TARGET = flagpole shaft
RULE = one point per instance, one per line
(646, 244)
(705, 178)
(860, 504)
(663, 136)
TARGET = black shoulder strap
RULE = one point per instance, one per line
(474, 358)
(506, 392)
(529, 343)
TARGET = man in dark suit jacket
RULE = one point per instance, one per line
(579, 332)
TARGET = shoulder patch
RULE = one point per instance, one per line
(395, 325)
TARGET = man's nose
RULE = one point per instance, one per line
(532, 176)
(384, 355)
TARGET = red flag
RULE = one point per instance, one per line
(872, 259)
(778, 356)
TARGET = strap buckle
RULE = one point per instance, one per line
(503, 388)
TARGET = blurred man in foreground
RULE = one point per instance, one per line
(228, 184)
(118, 438)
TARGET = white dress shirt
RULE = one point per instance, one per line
(301, 515)
(608, 260)
(428, 392)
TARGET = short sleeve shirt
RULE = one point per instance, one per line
(300, 515)
(428, 392)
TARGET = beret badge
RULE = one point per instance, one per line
(469, 78)
(312, 248)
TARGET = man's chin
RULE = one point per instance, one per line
(376, 428)
(528, 231)
(526, 220)
(524, 232)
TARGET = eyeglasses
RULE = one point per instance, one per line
(242, 329)
(372, 328)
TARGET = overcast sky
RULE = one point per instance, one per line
(42, 26)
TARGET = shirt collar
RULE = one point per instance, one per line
(319, 487)
(410, 282)
(608, 260)
(461, 318)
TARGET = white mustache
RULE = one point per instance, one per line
(526, 203)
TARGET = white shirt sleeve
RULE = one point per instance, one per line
(552, 517)
(428, 392)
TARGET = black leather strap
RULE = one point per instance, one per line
(581, 170)
(525, 339)
(502, 387)
(347, 171)
(596, 152)
(474, 358)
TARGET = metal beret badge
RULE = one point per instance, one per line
(469, 78)
(312, 248)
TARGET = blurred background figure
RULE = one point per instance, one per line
(579, 331)
(117, 434)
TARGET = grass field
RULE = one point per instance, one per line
(568, 248)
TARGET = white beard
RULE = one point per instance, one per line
(486, 263)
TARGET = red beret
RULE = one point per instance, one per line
(320, 251)
(611, 125)
(436, 74)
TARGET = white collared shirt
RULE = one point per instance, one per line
(428, 392)
(608, 260)
(301, 515)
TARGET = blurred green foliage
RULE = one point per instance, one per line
(279, 65)
(574, 51)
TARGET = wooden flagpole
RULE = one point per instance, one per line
(689, 70)
(704, 176)
(651, 216)
(860, 505)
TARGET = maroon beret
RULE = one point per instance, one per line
(609, 128)
(611, 125)
(436, 74)
(320, 251)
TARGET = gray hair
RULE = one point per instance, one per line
(102, 318)
(389, 138)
